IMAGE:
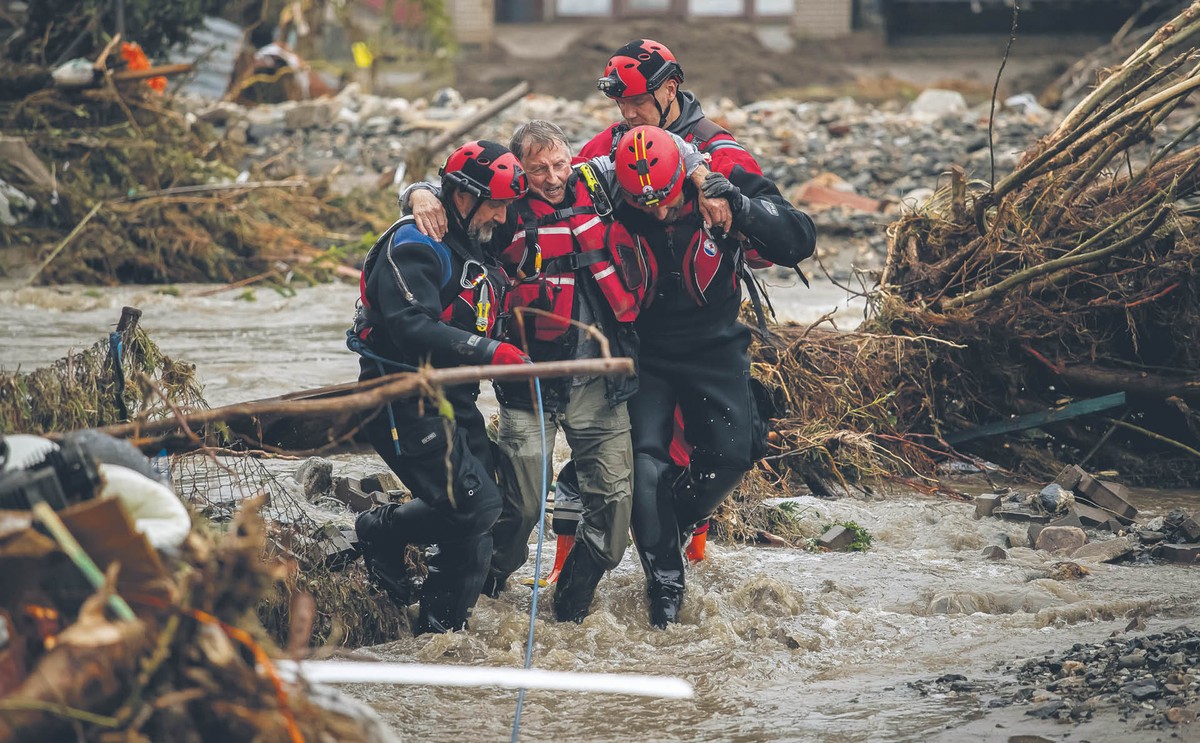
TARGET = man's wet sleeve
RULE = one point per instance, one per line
(778, 231)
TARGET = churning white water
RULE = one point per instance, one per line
(780, 644)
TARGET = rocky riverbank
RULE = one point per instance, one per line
(888, 154)
(1150, 682)
(875, 159)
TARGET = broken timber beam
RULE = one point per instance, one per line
(421, 158)
(1036, 420)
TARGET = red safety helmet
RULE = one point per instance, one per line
(641, 66)
(649, 166)
(486, 170)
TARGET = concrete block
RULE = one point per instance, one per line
(836, 539)
(1070, 476)
(1026, 516)
(1109, 496)
(1149, 536)
(1071, 519)
(1032, 533)
(986, 504)
(350, 491)
(1190, 528)
(381, 481)
(1090, 515)
(1185, 554)
(331, 547)
(994, 552)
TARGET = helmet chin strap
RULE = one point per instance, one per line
(662, 115)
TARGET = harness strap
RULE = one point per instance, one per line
(561, 215)
(573, 262)
(756, 301)
(705, 129)
(802, 276)
(530, 221)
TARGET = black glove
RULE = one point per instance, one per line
(718, 186)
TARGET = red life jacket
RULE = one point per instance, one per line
(553, 245)
(706, 271)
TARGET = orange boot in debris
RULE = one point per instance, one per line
(695, 548)
(562, 548)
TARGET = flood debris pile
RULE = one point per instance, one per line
(1060, 302)
(119, 187)
(214, 475)
(307, 529)
(116, 378)
(188, 662)
(1071, 279)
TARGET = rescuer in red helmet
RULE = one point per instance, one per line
(426, 301)
(573, 266)
(694, 351)
(643, 78)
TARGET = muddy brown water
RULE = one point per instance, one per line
(780, 644)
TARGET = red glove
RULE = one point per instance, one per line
(507, 353)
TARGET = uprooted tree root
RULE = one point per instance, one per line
(1072, 278)
(1075, 275)
(141, 196)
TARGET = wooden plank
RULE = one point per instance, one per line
(1036, 420)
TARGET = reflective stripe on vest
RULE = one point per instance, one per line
(579, 239)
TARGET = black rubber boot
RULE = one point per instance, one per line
(659, 543)
(429, 623)
(438, 598)
(494, 585)
(383, 558)
(390, 577)
(576, 586)
(666, 601)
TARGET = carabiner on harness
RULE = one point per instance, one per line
(483, 299)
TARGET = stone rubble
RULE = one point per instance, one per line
(893, 154)
(1150, 681)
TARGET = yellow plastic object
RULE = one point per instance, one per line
(362, 55)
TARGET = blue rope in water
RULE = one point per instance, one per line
(537, 563)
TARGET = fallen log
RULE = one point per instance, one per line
(320, 419)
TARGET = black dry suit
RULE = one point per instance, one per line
(425, 301)
(695, 354)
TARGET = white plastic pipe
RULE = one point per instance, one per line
(352, 672)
